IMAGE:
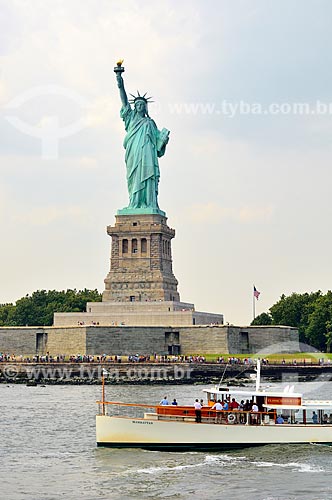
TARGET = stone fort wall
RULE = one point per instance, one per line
(125, 340)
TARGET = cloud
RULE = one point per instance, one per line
(212, 213)
(255, 214)
(87, 163)
(100, 112)
(4, 204)
(3, 92)
(42, 216)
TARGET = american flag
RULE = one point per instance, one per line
(256, 293)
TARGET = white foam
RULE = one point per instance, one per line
(158, 470)
(306, 467)
(264, 464)
(223, 458)
(301, 467)
(219, 460)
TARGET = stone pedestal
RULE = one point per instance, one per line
(141, 260)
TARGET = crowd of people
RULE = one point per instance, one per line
(224, 409)
(102, 358)
(234, 361)
(155, 358)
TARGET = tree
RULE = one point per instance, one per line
(295, 311)
(262, 319)
(38, 309)
(7, 314)
(328, 336)
(320, 321)
(311, 313)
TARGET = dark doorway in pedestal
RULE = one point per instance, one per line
(172, 341)
(174, 349)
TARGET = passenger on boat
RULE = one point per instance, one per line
(254, 408)
(225, 407)
(198, 411)
(247, 405)
(234, 405)
(241, 409)
(314, 418)
(164, 402)
(279, 420)
(330, 418)
(174, 402)
(254, 414)
(218, 407)
(325, 419)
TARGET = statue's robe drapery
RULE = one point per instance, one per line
(141, 145)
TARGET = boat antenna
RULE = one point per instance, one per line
(258, 374)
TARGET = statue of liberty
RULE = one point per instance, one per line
(144, 144)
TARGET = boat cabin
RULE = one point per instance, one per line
(274, 407)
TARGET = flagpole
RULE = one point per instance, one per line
(253, 303)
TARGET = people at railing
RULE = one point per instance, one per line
(164, 401)
(233, 405)
(254, 414)
(280, 420)
(242, 417)
(198, 411)
(218, 408)
(247, 405)
(217, 413)
(225, 406)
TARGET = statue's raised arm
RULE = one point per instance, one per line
(144, 144)
(123, 94)
(118, 70)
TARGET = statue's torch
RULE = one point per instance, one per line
(119, 68)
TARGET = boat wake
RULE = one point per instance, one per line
(229, 461)
(219, 460)
(296, 466)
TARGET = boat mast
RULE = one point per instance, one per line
(103, 372)
(258, 374)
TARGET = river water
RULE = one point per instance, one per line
(48, 451)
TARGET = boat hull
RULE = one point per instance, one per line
(123, 432)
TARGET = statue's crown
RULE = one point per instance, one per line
(140, 97)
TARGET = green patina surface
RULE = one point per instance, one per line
(140, 211)
(144, 144)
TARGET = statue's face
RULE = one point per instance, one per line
(140, 106)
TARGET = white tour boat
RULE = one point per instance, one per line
(282, 417)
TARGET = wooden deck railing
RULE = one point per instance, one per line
(188, 412)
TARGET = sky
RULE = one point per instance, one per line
(245, 87)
